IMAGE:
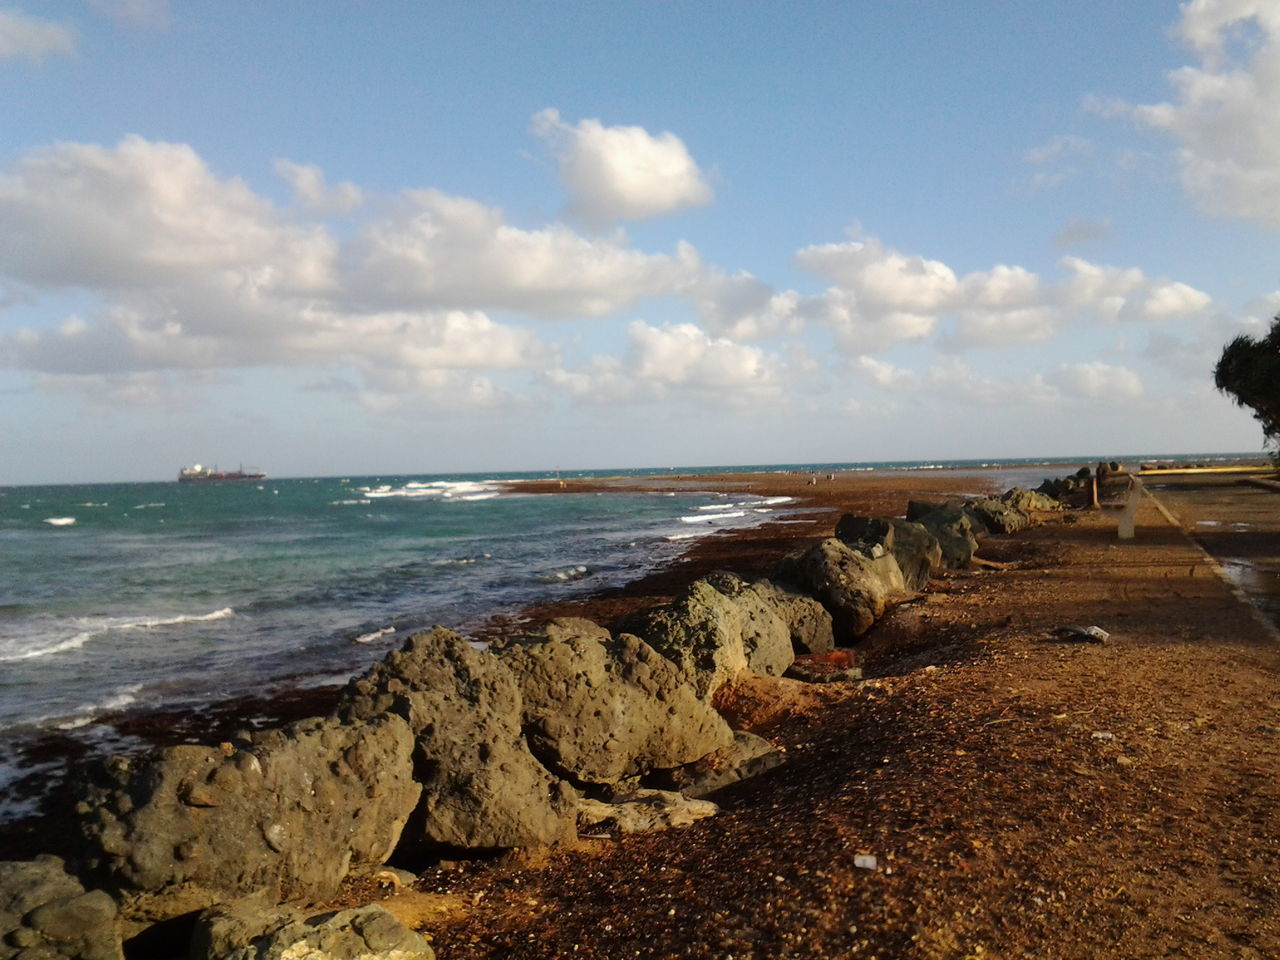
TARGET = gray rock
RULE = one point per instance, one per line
(287, 815)
(853, 587)
(46, 913)
(646, 810)
(747, 756)
(1029, 500)
(766, 635)
(599, 709)
(954, 531)
(916, 549)
(255, 931)
(701, 633)
(806, 620)
(481, 785)
(998, 516)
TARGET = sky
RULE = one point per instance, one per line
(348, 238)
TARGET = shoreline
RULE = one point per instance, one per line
(749, 551)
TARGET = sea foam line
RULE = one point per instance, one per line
(83, 637)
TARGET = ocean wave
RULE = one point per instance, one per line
(437, 490)
(106, 626)
(712, 517)
(349, 503)
(85, 714)
(147, 506)
(59, 521)
(374, 635)
(565, 576)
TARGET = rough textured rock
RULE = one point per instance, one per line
(701, 633)
(254, 931)
(999, 516)
(287, 814)
(916, 549)
(481, 786)
(953, 529)
(806, 619)
(747, 756)
(646, 810)
(599, 709)
(855, 588)
(766, 634)
(45, 914)
(1028, 500)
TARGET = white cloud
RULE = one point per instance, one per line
(31, 38)
(1062, 145)
(1225, 112)
(145, 213)
(883, 281)
(885, 375)
(313, 192)
(1096, 381)
(743, 307)
(436, 250)
(622, 173)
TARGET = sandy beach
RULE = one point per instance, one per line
(1021, 796)
(987, 790)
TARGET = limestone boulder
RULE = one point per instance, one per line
(256, 931)
(807, 621)
(482, 788)
(766, 632)
(286, 814)
(46, 913)
(917, 550)
(1029, 501)
(998, 516)
(599, 709)
(954, 531)
(855, 588)
(747, 756)
(701, 632)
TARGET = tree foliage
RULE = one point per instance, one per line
(1249, 371)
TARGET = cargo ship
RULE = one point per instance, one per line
(200, 474)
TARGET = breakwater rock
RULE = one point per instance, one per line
(448, 746)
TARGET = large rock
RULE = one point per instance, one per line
(1029, 501)
(916, 549)
(954, 531)
(998, 516)
(481, 786)
(600, 709)
(287, 815)
(701, 633)
(46, 914)
(747, 756)
(255, 931)
(766, 627)
(855, 588)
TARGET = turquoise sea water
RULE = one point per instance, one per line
(147, 595)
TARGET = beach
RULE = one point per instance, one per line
(1020, 795)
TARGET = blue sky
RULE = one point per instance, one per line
(341, 238)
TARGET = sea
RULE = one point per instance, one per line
(146, 596)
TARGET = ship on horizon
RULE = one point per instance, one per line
(202, 474)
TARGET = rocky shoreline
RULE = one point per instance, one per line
(443, 749)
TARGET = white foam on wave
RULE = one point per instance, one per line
(437, 490)
(565, 576)
(350, 503)
(60, 521)
(148, 506)
(712, 517)
(773, 501)
(681, 536)
(106, 625)
(375, 635)
(85, 714)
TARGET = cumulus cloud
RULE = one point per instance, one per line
(437, 250)
(680, 360)
(1225, 111)
(1096, 381)
(31, 38)
(622, 173)
(312, 190)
